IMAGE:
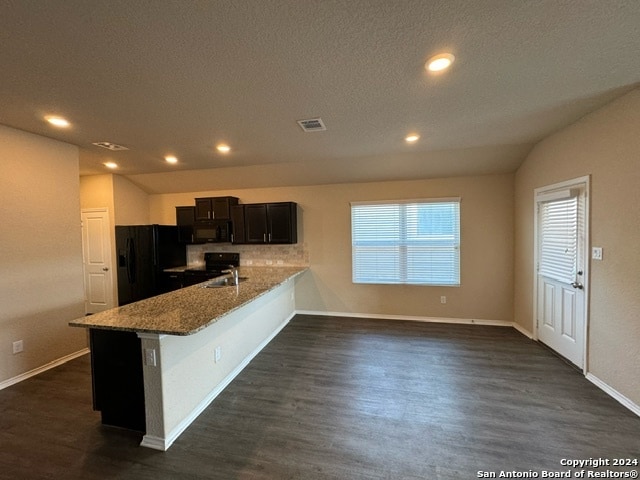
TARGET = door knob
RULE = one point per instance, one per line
(105, 269)
(577, 285)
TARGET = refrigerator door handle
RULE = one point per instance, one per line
(127, 249)
(131, 264)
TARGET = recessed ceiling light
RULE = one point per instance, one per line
(223, 148)
(440, 62)
(171, 159)
(58, 121)
(111, 165)
(414, 137)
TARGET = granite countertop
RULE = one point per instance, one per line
(177, 269)
(191, 309)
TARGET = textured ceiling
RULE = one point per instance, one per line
(178, 77)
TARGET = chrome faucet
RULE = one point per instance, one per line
(233, 271)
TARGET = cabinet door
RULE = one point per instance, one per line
(238, 233)
(203, 209)
(222, 207)
(118, 383)
(282, 224)
(185, 218)
(255, 222)
(170, 281)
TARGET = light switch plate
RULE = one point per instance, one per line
(596, 253)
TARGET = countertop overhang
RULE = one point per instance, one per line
(191, 309)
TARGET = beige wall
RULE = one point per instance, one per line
(605, 145)
(127, 205)
(41, 281)
(131, 203)
(325, 229)
(96, 191)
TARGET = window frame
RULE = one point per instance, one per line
(404, 245)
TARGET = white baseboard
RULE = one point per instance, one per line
(522, 330)
(43, 368)
(157, 443)
(612, 392)
(466, 321)
(163, 444)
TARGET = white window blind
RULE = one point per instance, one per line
(559, 227)
(415, 242)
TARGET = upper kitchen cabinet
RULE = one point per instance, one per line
(185, 220)
(214, 208)
(238, 234)
(268, 223)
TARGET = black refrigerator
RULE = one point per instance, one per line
(143, 252)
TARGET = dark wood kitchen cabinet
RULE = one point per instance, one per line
(118, 383)
(185, 220)
(214, 208)
(238, 234)
(268, 223)
(170, 281)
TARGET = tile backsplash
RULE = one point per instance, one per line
(255, 255)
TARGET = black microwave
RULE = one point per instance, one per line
(211, 232)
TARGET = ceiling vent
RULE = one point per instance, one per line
(110, 146)
(312, 125)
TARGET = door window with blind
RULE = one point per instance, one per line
(560, 230)
(413, 242)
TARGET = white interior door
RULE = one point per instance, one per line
(96, 247)
(561, 270)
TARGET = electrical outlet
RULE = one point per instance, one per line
(150, 357)
(269, 262)
(217, 354)
(443, 299)
(18, 346)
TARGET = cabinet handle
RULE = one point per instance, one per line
(264, 237)
(209, 215)
(269, 238)
(232, 238)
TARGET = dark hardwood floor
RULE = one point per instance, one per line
(339, 398)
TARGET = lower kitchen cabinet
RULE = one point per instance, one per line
(170, 281)
(118, 383)
(265, 223)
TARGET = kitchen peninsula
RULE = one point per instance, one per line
(189, 345)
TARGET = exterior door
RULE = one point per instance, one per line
(561, 270)
(96, 248)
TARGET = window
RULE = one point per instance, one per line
(414, 242)
(560, 225)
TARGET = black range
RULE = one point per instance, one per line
(215, 263)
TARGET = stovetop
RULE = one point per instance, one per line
(215, 263)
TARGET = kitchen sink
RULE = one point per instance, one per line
(220, 282)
